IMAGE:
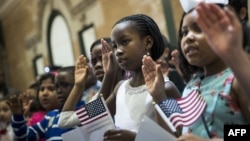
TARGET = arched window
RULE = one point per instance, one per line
(59, 41)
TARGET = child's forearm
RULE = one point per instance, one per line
(68, 119)
(107, 85)
(73, 98)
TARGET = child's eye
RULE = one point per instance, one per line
(184, 33)
(50, 88)
(93, 61)
(196, 28)
(125, 42)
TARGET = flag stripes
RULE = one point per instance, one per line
(93, 111)
(184, 111)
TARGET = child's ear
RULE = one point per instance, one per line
(148, 42)
(243, 13)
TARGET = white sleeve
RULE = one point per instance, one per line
(68, 119)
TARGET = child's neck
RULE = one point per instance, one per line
(137, 80)
(215, 68)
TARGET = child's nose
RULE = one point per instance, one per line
(190, 37)
(118, 52)
(45, 92)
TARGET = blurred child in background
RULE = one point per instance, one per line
(6, 131)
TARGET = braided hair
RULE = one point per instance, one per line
(145, 26)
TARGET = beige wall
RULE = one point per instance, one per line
(25, 28)
(17, 27)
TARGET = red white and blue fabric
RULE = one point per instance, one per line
(184, 111)
(95, 115)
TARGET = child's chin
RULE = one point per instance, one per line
(3, 125)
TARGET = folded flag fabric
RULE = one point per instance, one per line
(184, 111)
(95, 115)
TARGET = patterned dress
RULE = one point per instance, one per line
(220, 110)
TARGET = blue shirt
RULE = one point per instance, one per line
(47, 128)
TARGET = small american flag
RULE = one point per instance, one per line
(94, 112)
(95, 119)
(184, 111)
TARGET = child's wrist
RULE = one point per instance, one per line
(159, 98)
(79, 85)
(78, 88)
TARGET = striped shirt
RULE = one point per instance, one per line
(47, 128)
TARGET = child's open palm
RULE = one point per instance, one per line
(81, 70)
(27, 101)
(153, 78)
(221, 28)
(108, 59)
(16, 105)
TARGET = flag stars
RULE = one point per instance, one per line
(95, 108)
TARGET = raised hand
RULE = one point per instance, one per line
(81, 70)
(175, 58)
(223, 31)
(27, 100)
(16, 105)
(113, 73)
(221, 28)
(109, 63)
(119, 135)
(153, 78)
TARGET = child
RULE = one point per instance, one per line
(100, 62)
(241, 9)
(233, 56)
(226, 103)
(98, 67)
(29, 98)
(48, 127)
(96, 57)
(132, 37)
(46, 95)
(6, 131)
